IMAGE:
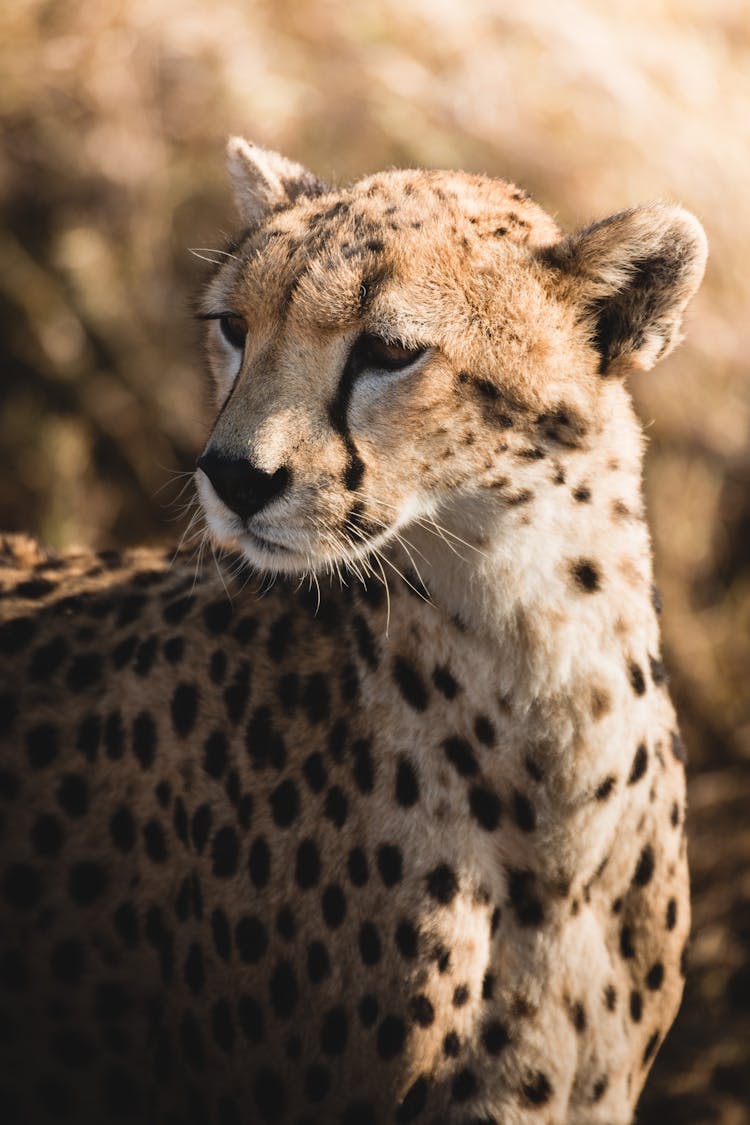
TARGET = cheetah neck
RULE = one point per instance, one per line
(559, 588)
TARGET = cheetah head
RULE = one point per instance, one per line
(412, 347)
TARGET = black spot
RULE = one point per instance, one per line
(407, 940)
(334, 1031)
(270, 1097)
(639, 766)
(671, 918)
(460, 755)
(495, 1037)
(451, 1045)
(317, 1082)
(636, 1007)
(537, 1089)
(658, 671)
(369, 944)
(442, 884)
(637, 681)
(645, 867)
(599, 1088)
(215, 754)
(610, 998)
(604, 788)
(655, 976)
(365, 642)
(336, 808)
(318, 962)
(284, 801)
(218, 616)
(251, 939)
(173, 649)
(42, 745)
(145, 656)
(259, 863)
(15, 635)
(250, 1018)
(237, 693)
(123, 652)
(444, 682)
(283, 990)
(200, 826)
(86, 882)
(367, 1010)
(333, 904)
(279, 636)
(286, 925)
(225, 852)
(526, 905)
(582, 494)
(524, 812)
(362, 767)
(67, 962)
(391, 1037)
(114, 735)
(84, 671)
(390, 864)
(122, 829)
(357, 867)
(222, 1025)
(184, 708)
(315, 772)
(413, 1102)
(221, 934)
(484, 730)
(485, 807)
(460, 995)
(265, 745)
(337, 740)
(627, 949)
(410, 684)
(144, 739)
(47, 659)
(174, 612)
(421, 1010)
(307, 869)
(407, 786)
(194, 971)
(678, 748)
(586, 575)
(488, 986)
(47, 835)
(464, 1085)
(125, 922)
(155, 840)
(578, 1017)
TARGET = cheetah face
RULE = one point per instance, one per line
(402, 349)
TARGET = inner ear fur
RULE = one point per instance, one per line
(631, 276)
(262, 180)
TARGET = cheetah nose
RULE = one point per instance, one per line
(241, 486)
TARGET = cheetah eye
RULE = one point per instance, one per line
(233, 329)
(374, 352)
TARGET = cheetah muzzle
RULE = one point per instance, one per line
(396, 833)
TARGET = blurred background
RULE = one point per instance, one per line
(114, 116)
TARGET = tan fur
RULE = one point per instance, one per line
(403, 847)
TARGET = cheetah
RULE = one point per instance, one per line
(384, 822)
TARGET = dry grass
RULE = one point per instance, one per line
(114, 115)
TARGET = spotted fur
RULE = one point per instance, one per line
(404, 848)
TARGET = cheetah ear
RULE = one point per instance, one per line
(632, 276)
(262, 179)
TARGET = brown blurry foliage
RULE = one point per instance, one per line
(111, 167)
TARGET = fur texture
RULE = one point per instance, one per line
(407, 848)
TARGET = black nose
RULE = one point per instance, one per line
(241, 486)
